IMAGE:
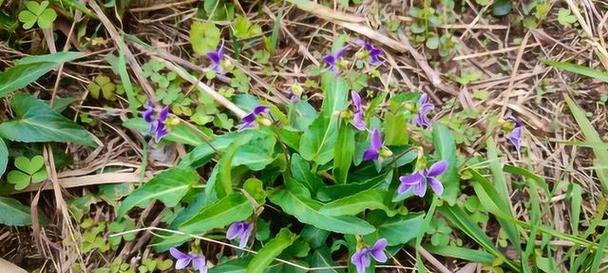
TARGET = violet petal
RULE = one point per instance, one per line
(436, 185)
(438, 168)
(377, 251)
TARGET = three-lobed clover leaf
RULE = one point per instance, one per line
(37, 13)
(28, 171)
(245, 29)
(104, 86)
(565, 17)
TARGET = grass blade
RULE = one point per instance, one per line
(591, 135)
(579, 69)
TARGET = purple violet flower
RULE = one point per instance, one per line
(182, 260)
(358, 120)
(376, 144)
(249, 119)
(374, 53)
(242, 230)
(362, 257)
(157, 124)
(424, 107)
(418, 181)
(216, 58)
(516, 133)
(331, 60)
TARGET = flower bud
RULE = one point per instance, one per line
(265, 121)
(385, 152)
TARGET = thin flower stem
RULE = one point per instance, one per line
(152, 229)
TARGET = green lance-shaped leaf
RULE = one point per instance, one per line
(13, 213)
(359, 202)
(271, 250)
(307, 211)
(37, 122)
(169, 187)
(29, 69)
(344, 151)
(445, 149)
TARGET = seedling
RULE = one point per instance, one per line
(37, 13)
(28, 171)
(104, 86)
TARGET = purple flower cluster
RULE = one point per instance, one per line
(374, 53)
(358, 120)
(156, 121)
(516, 133)
(249, 119)
(362, 257)
(424, 107)
(331, 60)
(418, 181)
(216, 58)
(183, 260)
(241, 230)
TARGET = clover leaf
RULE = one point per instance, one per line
(565, 17)
(28, 171)
(244, 29)
(102, 84)
(204, 37)
(37, 13)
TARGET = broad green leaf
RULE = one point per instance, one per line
(239, 265)
(300, 169)
(579, 69)
(224, 187)
(359, 202)
(301, 115)
(445, 149)
(204, 37)
(340, 191)
(318, 141)
(401, 228)
(256, 154)
(344, 151)
(169, 187)
(316, 237)
(37, 122)
(591, 135)
(222, 212)
(3, 156)
(232, 208)
(395, 129)
(29, 69)
(13, 213)
(307, 211)
(335, 95)
(179, 133)
(271, 250)
(502, 7)
(56, 58)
